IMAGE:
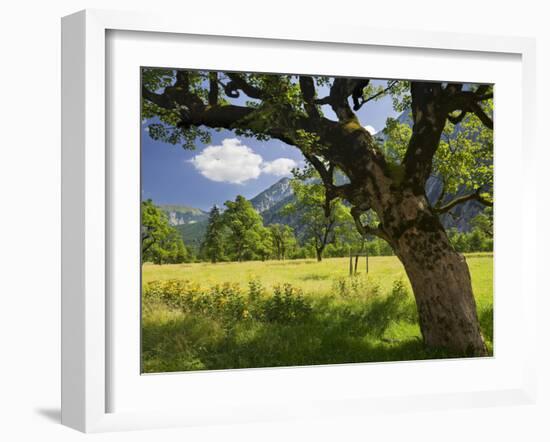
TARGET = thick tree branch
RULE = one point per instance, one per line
(481, 92)
(340, 91)
(322, 101)
(468, 101)
(160, 100)
(332, 191)
(475, 196)
(182, 81)
(390, 86)
(213, 91)
(458, 118)
(307, 86)
(453, 89)
(326, 175)
(483, 117)
(441, 195)
(429, 116)
(329, 225)
(239, 83)
(328, 197)
(226, 116)
(180, 93)
(357, 93)
(485, 97)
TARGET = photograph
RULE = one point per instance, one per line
(295, 219)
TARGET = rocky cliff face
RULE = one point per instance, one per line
(272, 196)
(181, 215)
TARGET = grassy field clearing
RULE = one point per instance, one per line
(237, 315)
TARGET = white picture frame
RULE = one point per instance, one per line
(86, 206)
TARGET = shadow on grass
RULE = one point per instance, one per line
(314, 277)
(382, 330)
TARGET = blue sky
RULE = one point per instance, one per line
(229, 165)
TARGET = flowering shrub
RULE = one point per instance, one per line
(228, 302)
(286, 305)
(173, 293)
(225, 300)
(255, 290)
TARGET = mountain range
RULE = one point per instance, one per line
(181, 215)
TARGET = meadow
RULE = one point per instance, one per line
(203, 316)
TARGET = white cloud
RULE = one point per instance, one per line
(370, 129)
(233, 162)
(279, 167)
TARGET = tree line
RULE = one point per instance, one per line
(238, 232)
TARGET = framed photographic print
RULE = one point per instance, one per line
(270, 225)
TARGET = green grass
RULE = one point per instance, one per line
(215, 321)
(307, 274)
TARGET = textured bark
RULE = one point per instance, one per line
(441, 283)
(445, 302)
(439, 276)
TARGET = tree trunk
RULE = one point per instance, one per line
(319, 253)
(440, 279)
(439, 276)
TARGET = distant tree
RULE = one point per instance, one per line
(214, 245)
(246, 234)
(299, 252)
(476, 240)
(347, 237)
(318, 214)
(480, 238)
(484, 222)
(169, 250)
(160, 242)
(373, 248)
(154, 225)
(265, 246)
(179, 251)
(283, 239)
